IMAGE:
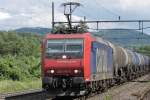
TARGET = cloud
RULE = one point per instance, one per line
(4, 16)
(134, 5)
(23, 13)
(34, 13)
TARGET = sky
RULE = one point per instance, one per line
(37, 13)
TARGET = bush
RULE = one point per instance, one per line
(144, 50)
(19, 56)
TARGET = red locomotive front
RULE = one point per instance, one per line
(63, 61)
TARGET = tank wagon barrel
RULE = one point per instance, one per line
(126, 60)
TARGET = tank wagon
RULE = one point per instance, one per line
(77, 64)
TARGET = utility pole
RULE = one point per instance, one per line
(142, 28)
(119, 17)
(53, 17)
(84, 18)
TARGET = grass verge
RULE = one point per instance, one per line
(9, 86)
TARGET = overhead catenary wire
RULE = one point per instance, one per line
(108, 10)
(120, 28)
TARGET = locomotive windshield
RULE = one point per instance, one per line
(55, 47)
(73, 48)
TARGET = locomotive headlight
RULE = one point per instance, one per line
(52, 71)
(64, 57)
(76, 71)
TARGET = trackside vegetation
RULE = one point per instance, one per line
(8, 86)
(144, 50)
(19, 61)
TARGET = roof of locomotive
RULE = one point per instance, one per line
(61, 36)
(78, 35)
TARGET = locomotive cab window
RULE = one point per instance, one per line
(71, 47)
(74, 47)
(55, 47)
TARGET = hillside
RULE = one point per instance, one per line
(127, 38)
(37, 30)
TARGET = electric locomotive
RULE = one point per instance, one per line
(77, 64)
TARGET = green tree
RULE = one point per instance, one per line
(82, 27)
(19, 55)
(144, 50)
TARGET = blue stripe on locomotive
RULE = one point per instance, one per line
(96, 45)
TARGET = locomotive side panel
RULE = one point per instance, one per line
(102, 64)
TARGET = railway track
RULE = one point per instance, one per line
(133, 90)
(137, 89)
(37, 94)
(118, 91)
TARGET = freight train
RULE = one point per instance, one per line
(77, 64)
